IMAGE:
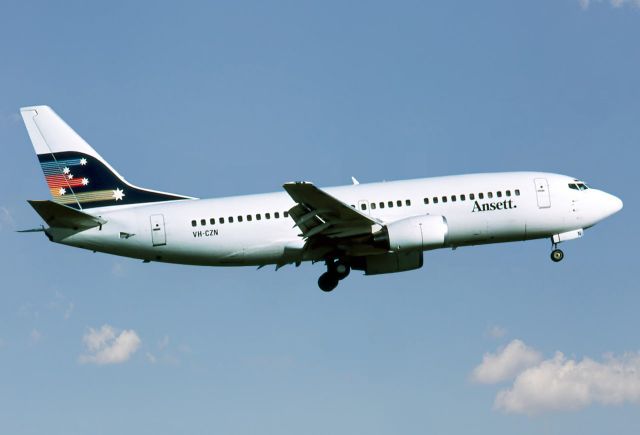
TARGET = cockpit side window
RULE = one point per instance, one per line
(578, 185)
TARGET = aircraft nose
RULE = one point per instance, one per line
(612, 204)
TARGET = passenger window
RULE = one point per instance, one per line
(453, 198)
(435, 199)
(499, 194)
(239, 218)
(258, 217)
(221, 220)
(480, 195)
(353, 206)
(194, 223)
(249, 217)
(444, 199)
(426, 200)
(381, 205)
(407, 202)
(399, 203)
(472, 196)
(363, 206)
(490, 194)
(373, 206)
(203, 221)
(276, 215)
(517, 192)
(286, 214)
(508, 193)
(212, 221)
(230, 219)
(267, 215)
(390, 204)
(463, 198)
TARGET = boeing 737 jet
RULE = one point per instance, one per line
(376, 228)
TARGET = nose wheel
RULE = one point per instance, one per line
(557, 255)
(336, 271)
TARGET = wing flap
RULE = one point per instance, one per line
(319, 214)
(62, 216)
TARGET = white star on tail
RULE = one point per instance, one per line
(83, 161)
(118, 194)
(66, 170)
(85, 181)
(62, 191)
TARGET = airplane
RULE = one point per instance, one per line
(376, 228)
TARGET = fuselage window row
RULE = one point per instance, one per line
(363, 206)
(230, 219)
(472, 196)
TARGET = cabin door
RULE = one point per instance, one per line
(542, 192)
(158, 234)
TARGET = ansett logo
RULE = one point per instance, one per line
(503, 205)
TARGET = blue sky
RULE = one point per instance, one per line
(212, 99)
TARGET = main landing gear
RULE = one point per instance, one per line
(336, 271)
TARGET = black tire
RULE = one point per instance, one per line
(557, 255)
(327, 282)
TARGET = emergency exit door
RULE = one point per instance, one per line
(542, 192)
(158, 234)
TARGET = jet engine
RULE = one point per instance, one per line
(414, 233)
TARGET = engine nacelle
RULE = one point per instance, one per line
(392, 262)
(414, 233)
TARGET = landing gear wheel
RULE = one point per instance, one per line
(557, 255)
(341, 270)
(328, 281)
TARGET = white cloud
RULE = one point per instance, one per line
(584, 4)
(496, 331)
(506, 363)
(565, 384)
(104, 346)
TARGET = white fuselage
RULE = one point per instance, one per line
(512, 206)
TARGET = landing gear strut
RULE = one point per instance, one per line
(336, 271)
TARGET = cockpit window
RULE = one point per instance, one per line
(578, 186)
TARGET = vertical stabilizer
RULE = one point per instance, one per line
(76, 174)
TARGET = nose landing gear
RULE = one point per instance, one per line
(557, 254)
(336, 271)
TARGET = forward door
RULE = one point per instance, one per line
(542, 192)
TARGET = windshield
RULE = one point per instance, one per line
(578, 185)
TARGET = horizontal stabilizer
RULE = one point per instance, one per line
(62, 216)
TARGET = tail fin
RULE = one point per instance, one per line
(76, 174)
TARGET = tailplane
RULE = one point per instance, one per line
(76, 174)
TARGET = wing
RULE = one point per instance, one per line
(328, 224)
